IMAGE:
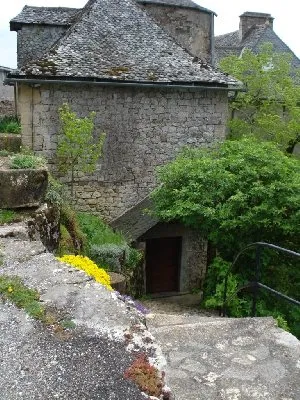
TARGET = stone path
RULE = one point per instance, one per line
(227, 359)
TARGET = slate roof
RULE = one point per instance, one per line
(117, 40)
(230, 43)
(177, 3)
(135, 221)
(44, 16)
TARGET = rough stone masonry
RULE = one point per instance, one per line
(144, 128)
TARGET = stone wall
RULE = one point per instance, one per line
(34, 40)
(6, 92)
(7, 108)
(144, 128)
(191, 28)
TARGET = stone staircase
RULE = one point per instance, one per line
(211, 358)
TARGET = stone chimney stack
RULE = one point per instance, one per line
(248, 19)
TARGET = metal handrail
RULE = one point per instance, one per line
(256, 285)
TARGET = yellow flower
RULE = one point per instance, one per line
(10, 289)
(87, 265)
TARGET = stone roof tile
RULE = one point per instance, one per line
(117, 40)
(44, 16)
(177, 3)
(230, 43)
(135, 221)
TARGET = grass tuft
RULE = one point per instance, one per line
(7, 216)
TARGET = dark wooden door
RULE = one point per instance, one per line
(163, 264)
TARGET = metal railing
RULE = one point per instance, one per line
(255, 285)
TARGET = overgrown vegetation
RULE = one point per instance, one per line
(110, 250)
(13, 289)
(10, 124)
(26, 161)
(77, 149)
(7, 216)
(239, 192)
(87, 235)
(269, 108)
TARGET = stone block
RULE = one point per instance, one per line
(22, 188)
(10, 142)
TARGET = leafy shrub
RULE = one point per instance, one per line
(56, 193)
(110, 255)
(87, 265)
(239, 192)
(26, 161)
(117, 258)
(10, 125)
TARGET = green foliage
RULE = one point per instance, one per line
(77, 149)
(110, 250)
(117, 258)
(56, 193)
(10, 125)
(269, 108)
(26, 161)
(234, 194)
(239, 302)
(97, 231)
(12, 289)
(5, 153)
(239, 192)
(214, 289)
(7, 216)
(282, 323)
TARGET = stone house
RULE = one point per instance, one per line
(254, 30)
(143, 67)
(7, 95)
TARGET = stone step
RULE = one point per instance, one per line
(227, 358)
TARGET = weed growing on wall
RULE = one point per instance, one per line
(26, 161)
(7, 216)
(10, 124)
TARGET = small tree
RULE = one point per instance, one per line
(269, 108)
(77, 149)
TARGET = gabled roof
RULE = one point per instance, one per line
(231, 44)
(44, 16)
(177, 3)
(135, 221)
(116, 40)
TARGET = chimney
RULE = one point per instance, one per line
(249, 19)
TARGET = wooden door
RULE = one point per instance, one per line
(163, 264)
